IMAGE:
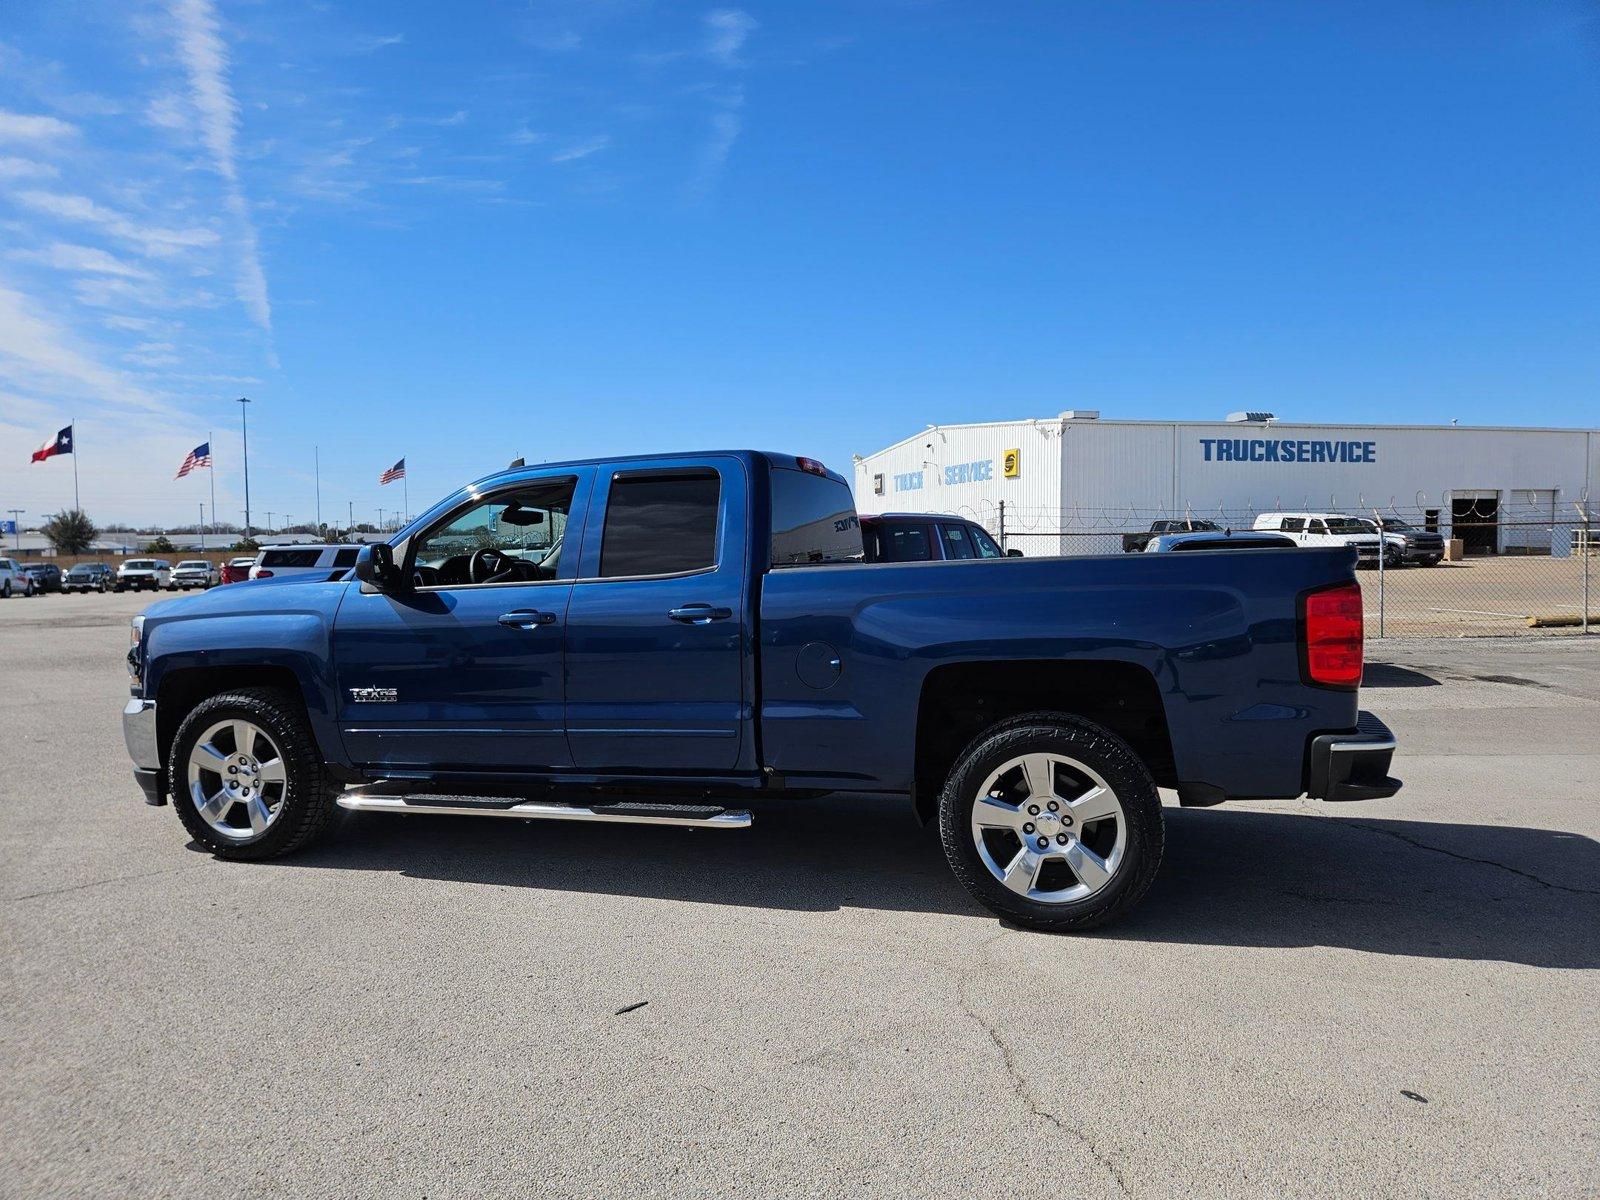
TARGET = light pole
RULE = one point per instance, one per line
(16, 525)
(269, 522)
(244, 424)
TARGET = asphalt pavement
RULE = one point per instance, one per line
(1395, 998)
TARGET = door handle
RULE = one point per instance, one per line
(699, 614)
(526, 618)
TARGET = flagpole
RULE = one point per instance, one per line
(213, 469)
(76, 503)
(405, 496)
(317, 459)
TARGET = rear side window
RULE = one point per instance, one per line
(956, 542)
(903, 543)
(290, 558)
(1293, 524)
(345, 559)
(985, 543)
(661, 524)
(813, 520)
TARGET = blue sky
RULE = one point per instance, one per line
(462, 233)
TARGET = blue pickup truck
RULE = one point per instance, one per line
(555, 642)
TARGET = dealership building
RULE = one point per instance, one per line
(1072, 484)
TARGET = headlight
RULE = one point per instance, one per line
(135, 660)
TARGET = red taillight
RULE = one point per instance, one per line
(811, 466)
(1331, 635)
(268, 575)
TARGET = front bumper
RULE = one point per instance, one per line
(1353, 766)
(139, 734)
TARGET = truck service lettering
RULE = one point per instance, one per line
(970, 472)
(1287, 450)
(911, 481)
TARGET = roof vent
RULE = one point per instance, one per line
(1261, 417)
(1081, 414)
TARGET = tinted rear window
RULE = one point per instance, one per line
(902, 543)
(290, 558)
(661, 524)
(813, 520)
(345, 559)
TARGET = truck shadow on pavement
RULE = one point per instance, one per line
(1232, 876)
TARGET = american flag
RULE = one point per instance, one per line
(200, 456)
(398, 471)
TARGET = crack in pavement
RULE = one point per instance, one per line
(1485, 862)
(94, 883)
(1019, 1085)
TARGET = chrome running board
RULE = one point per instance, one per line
(694, 816)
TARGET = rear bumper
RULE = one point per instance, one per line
(1353, 766)
(139, 735)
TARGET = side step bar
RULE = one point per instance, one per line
(694, 816)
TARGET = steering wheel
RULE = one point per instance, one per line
(487, 562)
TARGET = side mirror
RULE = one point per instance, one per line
(375, 565)
(1013, 553)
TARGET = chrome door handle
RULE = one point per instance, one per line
(526, 618)
(699, 614)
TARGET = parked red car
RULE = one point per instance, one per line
(237, 570)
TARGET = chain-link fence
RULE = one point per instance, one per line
(1476, 564)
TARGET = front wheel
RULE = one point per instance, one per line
(247, 777)
(1052, 822)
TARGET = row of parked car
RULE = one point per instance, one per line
(160, 574)
(1402, 543)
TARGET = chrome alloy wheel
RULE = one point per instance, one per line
(237, 779)
(1049, 828)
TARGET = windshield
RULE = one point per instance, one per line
(1346, 525)
(201, 563)
(140, 564)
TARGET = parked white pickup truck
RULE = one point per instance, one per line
(1325, 529)
(13, 580)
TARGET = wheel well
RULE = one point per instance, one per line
(961, 700)
(181, 690)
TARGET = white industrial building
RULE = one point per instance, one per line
(1072, 484)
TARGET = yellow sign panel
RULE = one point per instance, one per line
(1013, 464)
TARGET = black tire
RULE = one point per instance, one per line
(1093, 746)
(307, 808)
(5, 589)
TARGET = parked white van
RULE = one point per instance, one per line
(311, 562)
(1330, 529)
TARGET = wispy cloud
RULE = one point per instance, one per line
(153, 241)
(582, 149)
(726, 31)
(26, 168)
(369, 45)
(29, 127)
(88, 260)
(205, 56)
(713, 155)
(35, 352)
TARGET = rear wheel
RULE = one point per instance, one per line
(1053, 822)
(247, 777)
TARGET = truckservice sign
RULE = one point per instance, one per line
(1289, 450)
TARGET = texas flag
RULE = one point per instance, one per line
(62, 444)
